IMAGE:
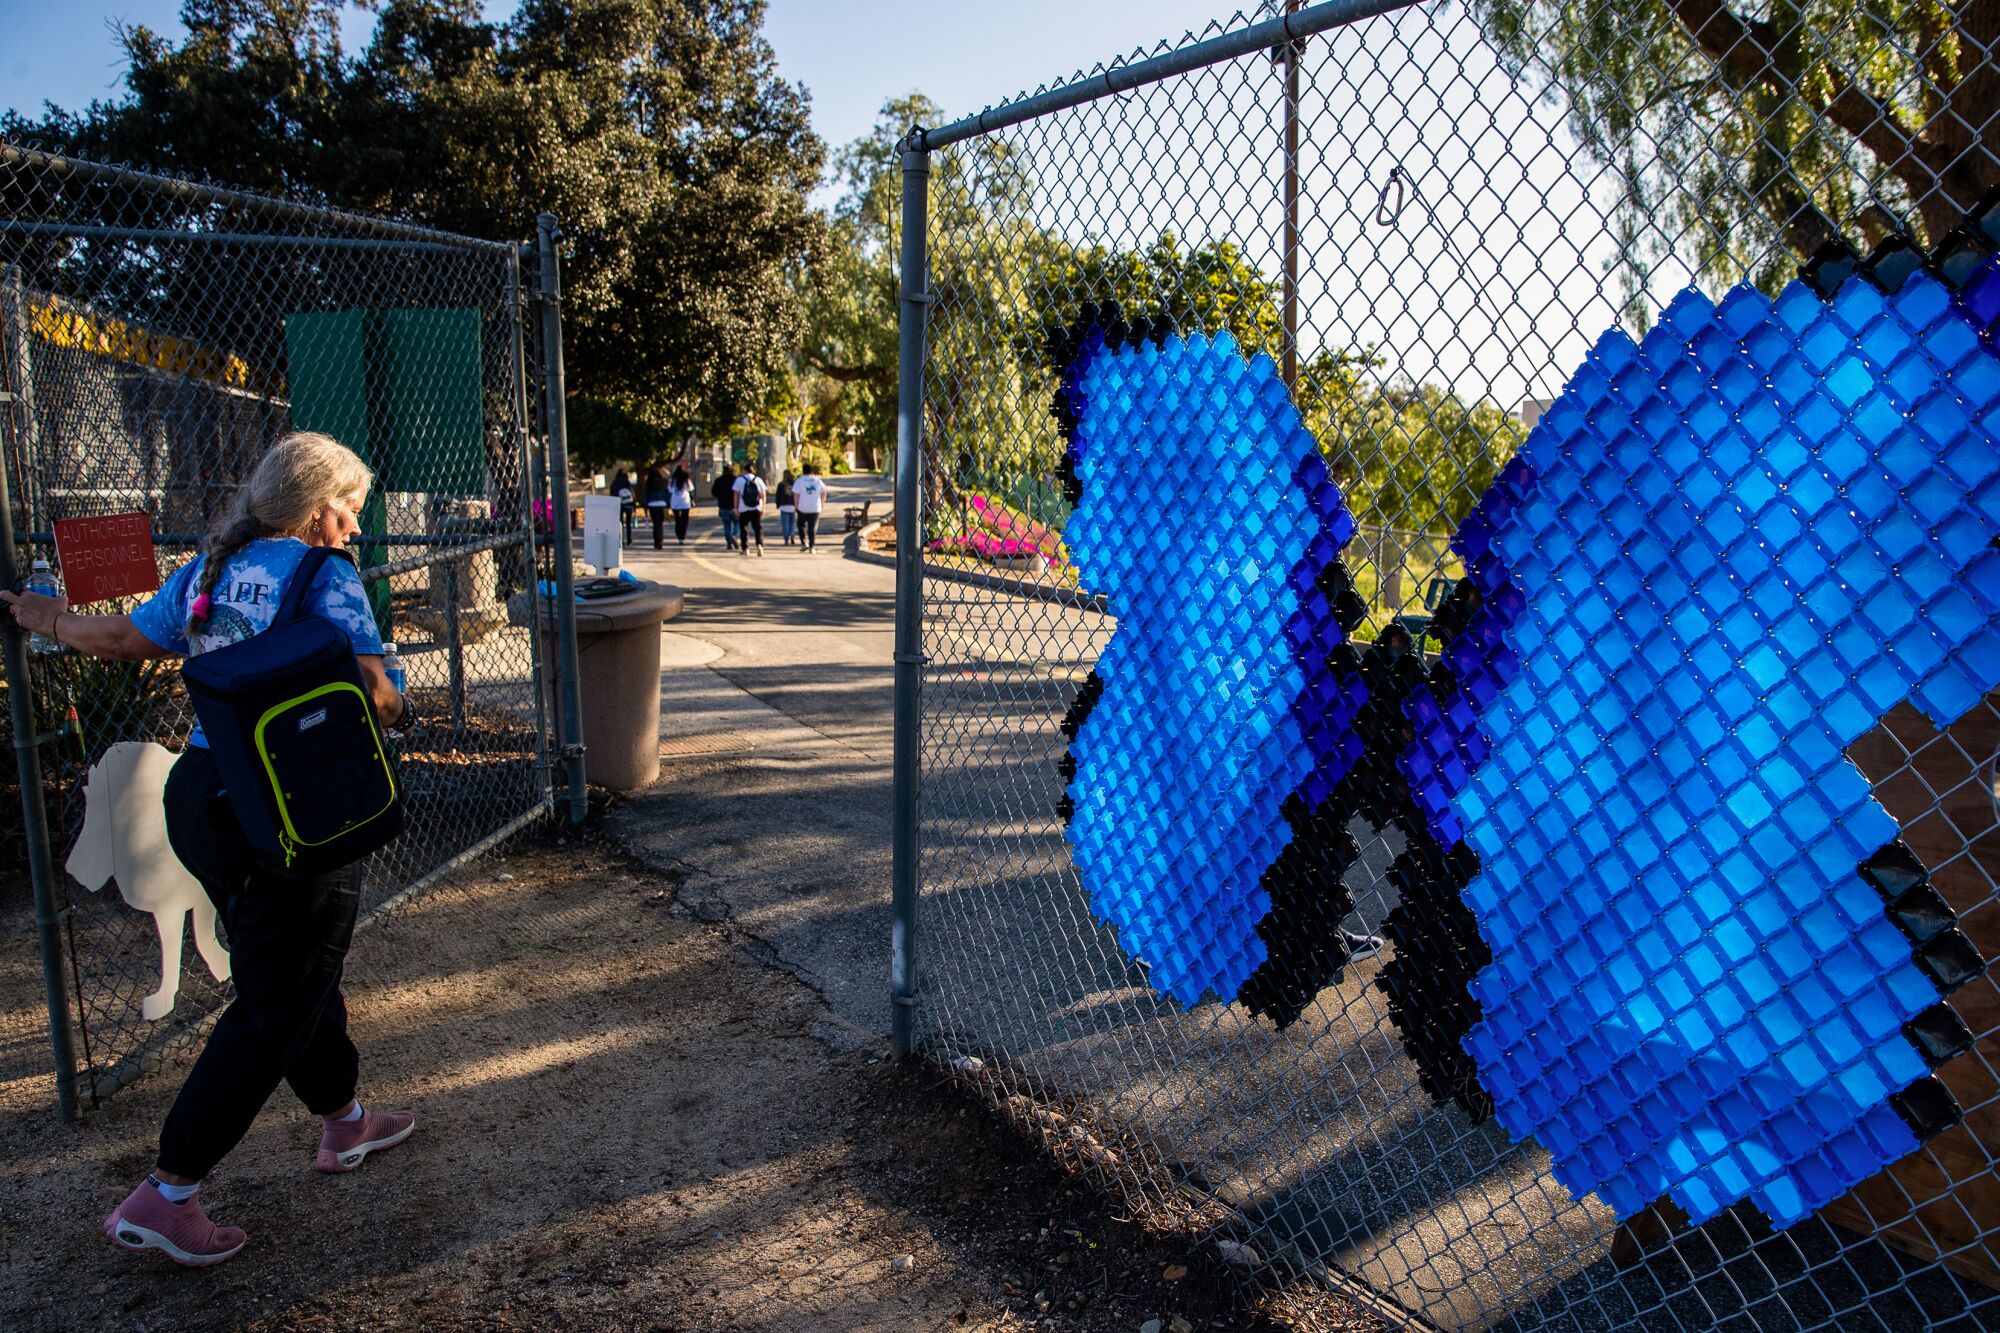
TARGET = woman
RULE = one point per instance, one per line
(680, 499)
(788, 514)
(656, 502)
(621, 486)
(288, 934)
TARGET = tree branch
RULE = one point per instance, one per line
(850, 374)
(1749, 48)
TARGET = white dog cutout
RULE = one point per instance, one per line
(125, 837)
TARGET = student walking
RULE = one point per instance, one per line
(788, 514)
(809, 494)
(621, 486)
(288, 933)
(656, 502)
(750, 492)
(680, 499)
(723, 491)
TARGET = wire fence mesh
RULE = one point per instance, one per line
(158, 336)
(1445, 864)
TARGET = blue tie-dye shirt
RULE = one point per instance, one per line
(246, 600)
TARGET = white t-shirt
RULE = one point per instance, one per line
(749, 492)
(680, 497)
(809, 494)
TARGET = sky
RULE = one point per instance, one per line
(851, 54)
(1490, 278)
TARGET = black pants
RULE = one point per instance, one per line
(625, 515)
(750, 520)
(681, 517)
(659, 516)
(288, 940)
(809, 531)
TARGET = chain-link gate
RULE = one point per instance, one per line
(156, 336)
(1445, 732)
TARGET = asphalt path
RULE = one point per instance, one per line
(775, 731)
(776, 728)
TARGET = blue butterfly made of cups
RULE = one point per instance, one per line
(1649, 913)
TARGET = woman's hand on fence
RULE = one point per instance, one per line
(34, 612)
(113, 637)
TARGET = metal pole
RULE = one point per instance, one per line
(569, 690)
(1291, 349)
(242, 239)
(79, 171)
(1258, 37)
(530, 491)
(454, 649)
(27, 457)
(21, 714)
(913, 322)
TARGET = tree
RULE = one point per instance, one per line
(1410, 459)
(656, 130)
(987, 422)
(851, 318)
(601, 437)
(252, 97)
(1407, 455)
(1760, 131)
(1205, 289)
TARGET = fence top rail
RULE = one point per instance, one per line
(20, 156)
(1271, 33)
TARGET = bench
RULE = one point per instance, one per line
(857, 515)
(1419, 626)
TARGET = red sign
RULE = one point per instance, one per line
(105, 556)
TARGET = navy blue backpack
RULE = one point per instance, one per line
(294, 736)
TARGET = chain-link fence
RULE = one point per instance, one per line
(1517, 843)
(155, 337)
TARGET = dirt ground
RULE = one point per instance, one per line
(626, 1120)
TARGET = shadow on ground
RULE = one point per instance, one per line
(626, 1121)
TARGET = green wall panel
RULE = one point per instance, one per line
(431, 393)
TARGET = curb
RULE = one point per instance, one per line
(856, 549)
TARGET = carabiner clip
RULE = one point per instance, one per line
(1384, 215)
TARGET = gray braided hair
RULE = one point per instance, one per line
(289, 487)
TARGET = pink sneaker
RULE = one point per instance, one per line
(146, 1221)
(346, 1142)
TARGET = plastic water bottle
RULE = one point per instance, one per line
(392, 667)
(42, 579)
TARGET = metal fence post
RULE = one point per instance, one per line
(454, 639)
(1291, 53)
(913, 323)
(21, 708)
(569, 689)
(531, 490)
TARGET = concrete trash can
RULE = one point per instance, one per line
(618, 669)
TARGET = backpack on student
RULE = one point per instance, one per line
(293, 733)
(753, 491)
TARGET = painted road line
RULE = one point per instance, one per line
(714, 568)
